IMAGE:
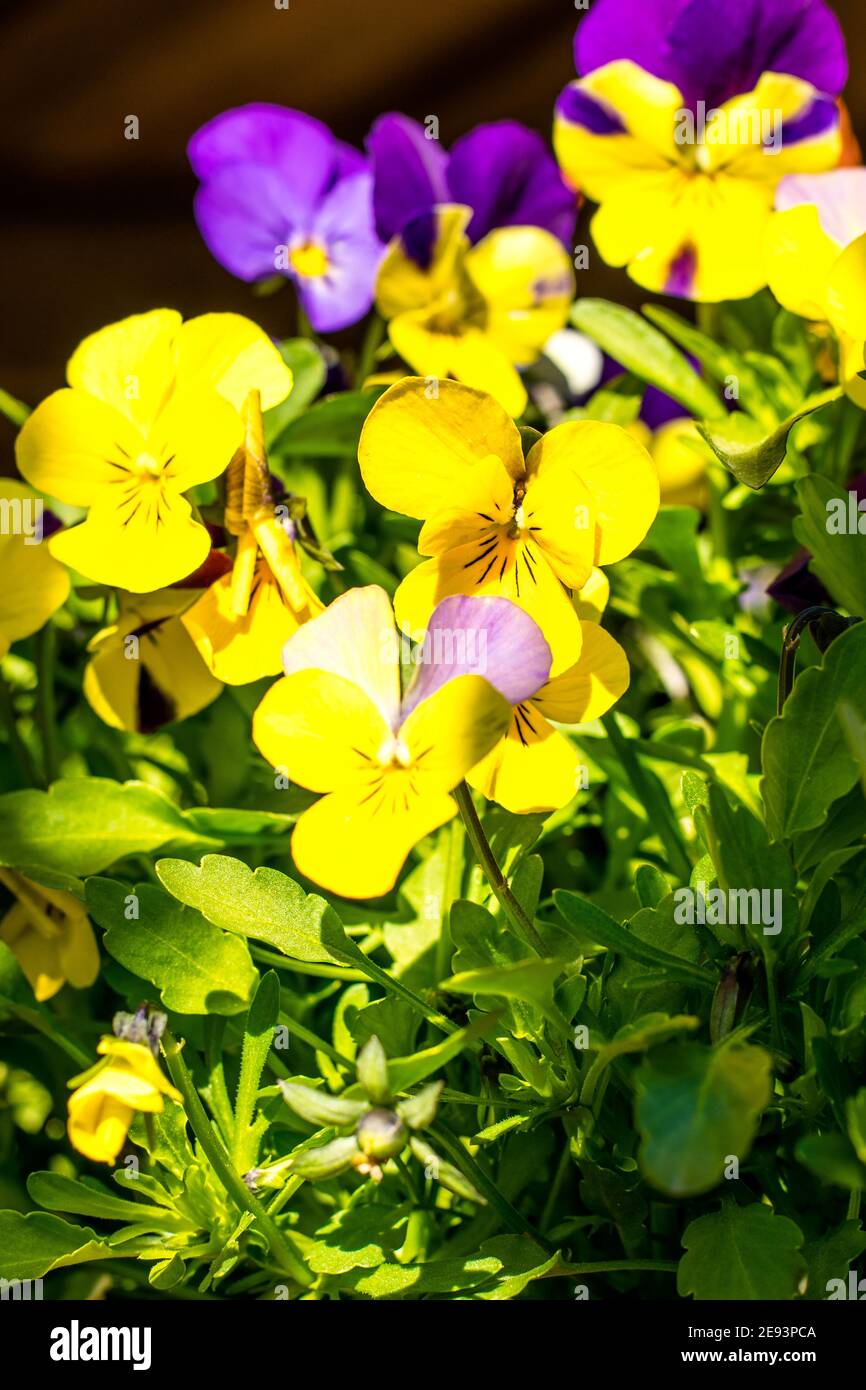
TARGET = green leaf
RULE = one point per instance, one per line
(579, 912)
(741, 1253)
(645, 351)
(696, 1108)
(83, 824)
(838, 556)
(197, 968)
(266, 905)
(309, 372)
(31, 1246)
(833, 1159)
(805, 757)
(408, 1071)
(831, 1255)
(89, 1197)
(718, 361)
(357, 1238)
(531, 980)
(262, 1017)
(751, 455)
(329, 429)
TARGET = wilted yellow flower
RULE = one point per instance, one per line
(49, 933)
(106, 1098)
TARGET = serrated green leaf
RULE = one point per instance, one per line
(741, 1253)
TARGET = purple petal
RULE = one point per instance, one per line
(712, 51)
(681, 274)
(409, 172)
(344, 228)
(839, 196)
(488, 637)
(819, 117)
(419, 238)
(296, 147)
(584, 109)
(244, 214)
(507, 174)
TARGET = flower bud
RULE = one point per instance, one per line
(381, 1134)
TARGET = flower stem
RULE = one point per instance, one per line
(495, 877)
(452, 887)
(280, 1245)
(373, 337)
(46, 714)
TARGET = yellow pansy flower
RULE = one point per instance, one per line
(150, 411)
(336, 724)
(529, 529)
(535, 767)
(107, 1097)
(242, 622)
(34, 584)
(474, 312)
(144, 669)
(49, 933)
(815, 252)
(684, 196)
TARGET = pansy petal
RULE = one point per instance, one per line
(838, 196)
(505, 172)
(527, 282)
(414, 445)
(195, 437)
(591, 599)
(449, 732)
(846, 296)
(152, 543)
(559, 512)
(409, 171)
(243, 648)
(799, 258)
(73, 446)
(78, 952)
(343, 226)
(232, 355)
(489, 637)
(482, 499)
(321, 729)
(421, 262)
(129, 364)
(355, 845)
(245, 214)
(34, 584)
(589, 688)
(619, 474)
(300, 149)
(353, 638)
(534, 768)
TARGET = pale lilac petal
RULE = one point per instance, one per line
(839, 196)
(488, 637)
(244, 214)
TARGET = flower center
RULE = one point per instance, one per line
(394, 753)
(309, 260)
(147, 466)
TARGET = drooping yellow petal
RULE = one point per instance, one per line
(591, 686)
(132, 1066)
(353, 638)
(355, 844)
(74, 447)
(321, 729)
(619, 474)
(232, 355)
(98, 1126)
(534, 768)
(78, 952)
(130, 364)
(240, 649)
(36, 954)
(149, 542)
(418, 440)
(449, 732)
(34, 585)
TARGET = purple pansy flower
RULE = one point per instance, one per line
(714, 49)
(280, 194)
(503, 171)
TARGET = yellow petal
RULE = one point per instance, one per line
(846, 293)
(559, 513)
(232, 355)
(36, 954)
(418, 440)
(799, 258)
(322, 730)
(355, 844)
(353, 638)
(481, 500)
(142, 547)
(619, 474)
(646, 107)
(73, 447)
(591, 600)
(516, 570)
(467, 352)
(526, 280)
(34, 584)
(78, 952)
(402, 284)
(198, 432)
(448, 733)
(129, 365)
(681, 458)
(240, 649)
(98, 1128)
(533, 768)
(591, 686)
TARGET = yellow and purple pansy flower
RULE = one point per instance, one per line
(150, 411)
(280, 195)
(684, 119)
(530, 528)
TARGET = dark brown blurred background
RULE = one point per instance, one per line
(96, 226)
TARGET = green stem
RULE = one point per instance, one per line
(656, 806)
(462, 1159)
(45, 710)
(280, 1245)
(618, 1267)
(303, 967)
(853, 1211)
(373, 338)
(518, 919)
(452, 887)
(20, 751)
